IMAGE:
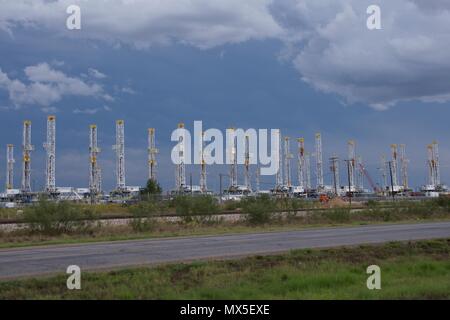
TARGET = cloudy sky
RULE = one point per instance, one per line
(303, 66)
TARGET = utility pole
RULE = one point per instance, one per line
(335, 170)
(392, 180)
(350, 195)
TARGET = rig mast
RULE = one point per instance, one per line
(359, 174)
(434, 177)
(119, 147)
(404, 167)
(287, 162)
(247, 163)
(10, 167)
(301, 162)
(180, 169)
(351, 164)
(203, 185)
(279, 154)
(50, 148)
(152, 152)
(319, 165)
(308, 169)
(94, 169)
(233, 166)
(394, 164)
(27, 147)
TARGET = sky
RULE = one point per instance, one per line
(303, 66)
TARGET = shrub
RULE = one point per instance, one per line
(338, 215)
(260, 209)
(58, 217)
(201, 207)
(143, 216)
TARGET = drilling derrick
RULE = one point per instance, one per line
(279, 153)
(247, 164)
(334, 167)
(433, 165)
(10, 167)
(203, 185)
(351, 165)
(360, 174)
(27, 147)
(301, 163)
(394, 164)
(308, 170)
(119, 147)
(94, 170)
(437, 163)
(404, 166)
(287, 162)
(50, 148)
(152, 152)
(319, 166)
(233, 166)
(180, 169)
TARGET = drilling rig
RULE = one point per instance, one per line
(27, 148)
(203, 184)
(319, 165)
(180, 169)
(287, 163)
(94, 169)
(50, 148)
(10, 167)
(119, 147)
(152, 152)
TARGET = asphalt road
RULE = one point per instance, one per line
(55, 259)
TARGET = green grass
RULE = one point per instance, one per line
(414, 270)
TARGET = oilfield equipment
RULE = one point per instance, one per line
(10, 167)
(95, 184)
(392, 173)
(152, 152)
(50, 159)
(27, 148)
(119, 147)
(180, 168)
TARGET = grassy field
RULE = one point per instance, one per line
(415, 270)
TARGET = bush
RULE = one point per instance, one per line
(338, 215)
(143, 216)
(58, 217)
(200, 208)
(260, 209)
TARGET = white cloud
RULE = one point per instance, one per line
(47, 86)
(91, 110)
(128, 90)
(96, 74)
(326, 40)
(202, 23)
(334, 52)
